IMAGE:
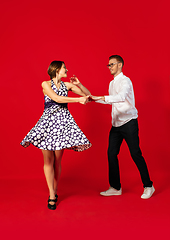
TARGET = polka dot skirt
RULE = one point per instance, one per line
(56, 128)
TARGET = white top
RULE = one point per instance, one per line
(121, 97)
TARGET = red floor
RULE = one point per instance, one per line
(81, 212)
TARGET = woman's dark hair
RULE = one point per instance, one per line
(118, 58)
(54, 67)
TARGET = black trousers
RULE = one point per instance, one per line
(129, 132)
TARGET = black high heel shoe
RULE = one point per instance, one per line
(56, 198)
(52, 206)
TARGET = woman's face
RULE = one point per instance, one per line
(63, 71)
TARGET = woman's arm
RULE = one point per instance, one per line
(47, 90)
(77, 87)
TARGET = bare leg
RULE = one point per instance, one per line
(57, 167)
(49, 172)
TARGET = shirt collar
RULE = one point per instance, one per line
(118, 76)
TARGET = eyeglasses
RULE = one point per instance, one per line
(112, 64)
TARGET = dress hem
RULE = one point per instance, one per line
(77, 148)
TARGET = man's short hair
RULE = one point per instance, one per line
(118, 58)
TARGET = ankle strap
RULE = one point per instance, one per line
(51, 200)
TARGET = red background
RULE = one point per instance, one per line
(84, 34)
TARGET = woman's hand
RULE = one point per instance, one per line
(84, 100)
(74, 80)
(78, 88)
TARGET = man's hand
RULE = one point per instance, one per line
(95, 98)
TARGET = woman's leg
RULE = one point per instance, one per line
(57, 167)
(49, 172)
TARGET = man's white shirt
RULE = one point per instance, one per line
(121, 97)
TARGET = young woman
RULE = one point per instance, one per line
(57, 130)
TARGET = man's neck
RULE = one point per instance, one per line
(117, 74)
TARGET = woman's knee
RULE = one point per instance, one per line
(48, 161)
(58, 156)
(48, 157)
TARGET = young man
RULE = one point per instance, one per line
(124, 126)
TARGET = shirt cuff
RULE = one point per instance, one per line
(107, 99)
(100, 101)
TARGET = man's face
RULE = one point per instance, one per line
(115, 67)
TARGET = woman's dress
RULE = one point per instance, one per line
(56, 129)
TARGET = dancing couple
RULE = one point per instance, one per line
(57, 130)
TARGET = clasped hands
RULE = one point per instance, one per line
(89, 98)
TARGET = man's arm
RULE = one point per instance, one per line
(98, 99)
(119, 97)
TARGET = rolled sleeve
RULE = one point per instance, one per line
(101, 101)
(114, 99)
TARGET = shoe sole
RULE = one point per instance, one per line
(52, 207)
(109, 195)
